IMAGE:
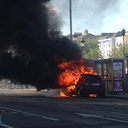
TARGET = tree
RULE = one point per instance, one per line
(91, 48)
(93, 54)
(117, 52)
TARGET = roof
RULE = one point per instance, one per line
(118, 34)
(109, 35)
(89, 35)
(102, 37)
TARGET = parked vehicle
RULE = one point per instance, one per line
(89, 84)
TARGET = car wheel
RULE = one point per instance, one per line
(102, 95)
(79, 93)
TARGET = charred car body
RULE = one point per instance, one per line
(89, 84)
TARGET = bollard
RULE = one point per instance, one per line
(0, 118)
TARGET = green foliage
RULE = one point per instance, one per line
(118, 51)
(91, 49)
(93, 54)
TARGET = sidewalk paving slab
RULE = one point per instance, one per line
(119, 96)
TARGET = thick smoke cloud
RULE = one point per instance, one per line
(31, 45)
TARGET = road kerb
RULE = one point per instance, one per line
(119, 97)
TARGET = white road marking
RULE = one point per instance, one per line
(101, 117)
(122, 121)
(32, 114)
(119, 113)
(122, 104)
(68, 106)
(87, 115)
(7, 126)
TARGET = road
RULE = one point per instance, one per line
(56, 112)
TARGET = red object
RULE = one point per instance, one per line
(118, 86)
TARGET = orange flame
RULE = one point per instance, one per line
(62, 94)
(70, 88)
(72, 72)
(93, 95)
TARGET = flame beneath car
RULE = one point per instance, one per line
(93, 95)
(62, 94)
(71, 72)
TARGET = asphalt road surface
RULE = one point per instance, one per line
(70, 112)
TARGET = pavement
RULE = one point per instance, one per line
(30, 92)
(121, 95)
(49, 93)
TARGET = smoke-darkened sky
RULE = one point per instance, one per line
(95, 15)
(31, 44)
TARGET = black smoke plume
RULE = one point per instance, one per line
(29, 45)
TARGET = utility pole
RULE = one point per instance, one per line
(70, 10)
(123, 34)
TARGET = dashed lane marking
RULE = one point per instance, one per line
(101, 117)
(32, 114)
(87, 115)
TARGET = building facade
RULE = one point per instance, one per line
(106, 43)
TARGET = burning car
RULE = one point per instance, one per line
(88, 84)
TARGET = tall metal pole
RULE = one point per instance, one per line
(124, 63)
(123, 34)
(70, 10)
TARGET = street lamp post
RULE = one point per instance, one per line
(82, 43)
(70, 13)
(123, 34)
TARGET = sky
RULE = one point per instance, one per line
(97, 16)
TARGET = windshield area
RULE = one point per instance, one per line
(93, 78)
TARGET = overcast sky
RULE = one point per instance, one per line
(95, 15)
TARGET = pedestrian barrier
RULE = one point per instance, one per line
(0, 118)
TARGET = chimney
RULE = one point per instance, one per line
(86, 32)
